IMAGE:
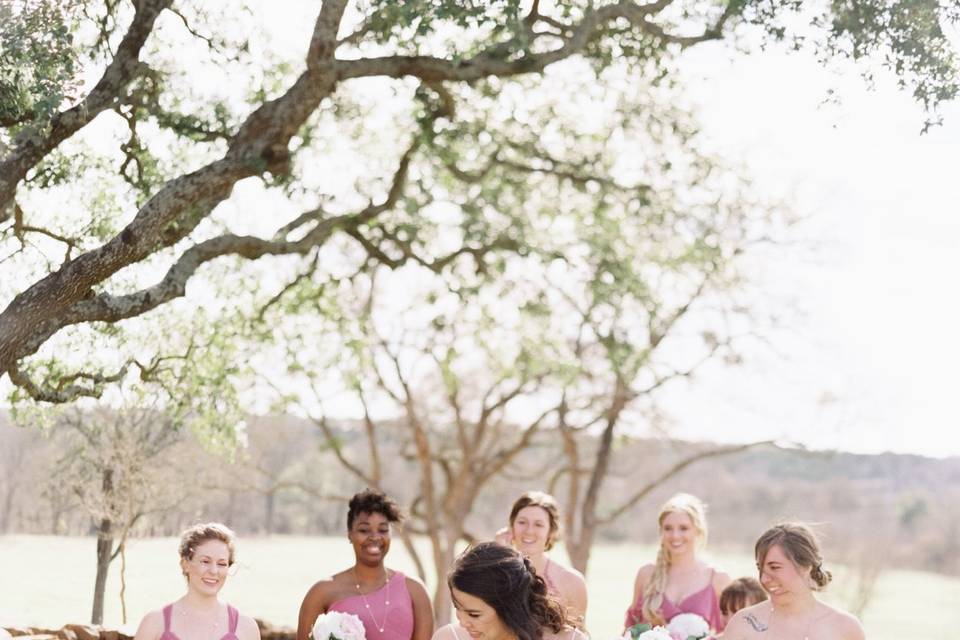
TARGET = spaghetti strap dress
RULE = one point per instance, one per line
(704, 603)
(233, 617)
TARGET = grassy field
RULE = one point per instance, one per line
(48, 581)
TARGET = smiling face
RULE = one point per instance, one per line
(207, 569)
(780, 577)
(370, 535)
(678, 535)
(531, 530)
(478, 618)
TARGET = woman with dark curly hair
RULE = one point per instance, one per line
(791, 571)
(391, 606)
(499, 596)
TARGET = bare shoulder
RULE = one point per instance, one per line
(321, 590)
(748, 622)
(644, 572)
(151, 626)
(567, 574)
(570, 571)
(720, 580)
(847, 625)
(247, 628)
(415, 585)
(446, 632)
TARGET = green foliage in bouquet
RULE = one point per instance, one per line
(637, 629)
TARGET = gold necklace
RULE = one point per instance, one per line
(386, 602)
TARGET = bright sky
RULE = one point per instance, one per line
(868, 362)
(865, 361)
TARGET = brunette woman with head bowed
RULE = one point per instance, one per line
(390, 605)
(207, 551)
(534, 529)
(679, 581)
(791, 572)
(498, 595)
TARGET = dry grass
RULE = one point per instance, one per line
(48, 581)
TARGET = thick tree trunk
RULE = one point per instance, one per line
(443, 555)
(579, 549)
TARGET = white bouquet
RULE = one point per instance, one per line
(336, 625)
(688, 626)
(656, 633)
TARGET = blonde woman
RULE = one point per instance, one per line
(679, 581)
(534, 529)
(791, 571)
(207, 551)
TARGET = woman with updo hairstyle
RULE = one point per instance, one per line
(207, 551)
(391, 605)
(534, 528)
(498, 595)
(679, 581)
(791, 572)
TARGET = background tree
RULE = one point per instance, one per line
(465, 365)
(109, 469)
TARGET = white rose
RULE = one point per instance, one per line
(339, 625)
(685, 625)
(657, 633)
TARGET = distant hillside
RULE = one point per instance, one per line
(287, 481)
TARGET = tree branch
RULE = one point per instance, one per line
(672, 471)
(33, 143)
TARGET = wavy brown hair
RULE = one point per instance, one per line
(800, 545)
(505, 580)
(546, 502)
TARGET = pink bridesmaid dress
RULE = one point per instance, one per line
(386, 614)
(704, 603)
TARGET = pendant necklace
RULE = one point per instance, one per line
(386, 602)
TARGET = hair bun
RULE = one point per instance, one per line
(820, 576)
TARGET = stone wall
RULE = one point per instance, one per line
(94, 632)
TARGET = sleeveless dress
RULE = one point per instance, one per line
(704, 603)
(551, 585)
(386, 614)
(233, 617)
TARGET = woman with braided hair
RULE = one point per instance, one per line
(678, 582)
(498, 595)
(791, 571)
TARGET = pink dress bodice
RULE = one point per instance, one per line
(704, 603)
(386, 614)
(233, 617)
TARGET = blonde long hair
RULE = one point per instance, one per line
(653, 591)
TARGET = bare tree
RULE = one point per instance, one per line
(114, 466)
